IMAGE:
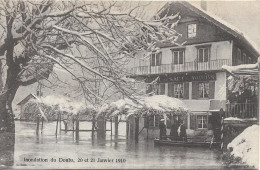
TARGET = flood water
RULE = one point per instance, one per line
(87, 153)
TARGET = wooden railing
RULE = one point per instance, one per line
(241, 110)
(185, 67)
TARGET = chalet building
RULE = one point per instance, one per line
(193, 72)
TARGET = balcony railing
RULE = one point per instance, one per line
(185, 67)
(241, 110)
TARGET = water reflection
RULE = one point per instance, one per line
(138, 155)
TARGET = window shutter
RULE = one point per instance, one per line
(209, 123)
(160, 59)
(170, 90)
(211, 89)
(193, 122)
(195, 90)
(162, 88)
(186, 90)
(149, 88)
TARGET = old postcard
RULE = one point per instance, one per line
(129, 85)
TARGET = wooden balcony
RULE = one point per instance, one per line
(174, 68)
(241, 110)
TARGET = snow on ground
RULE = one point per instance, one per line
(246, 146)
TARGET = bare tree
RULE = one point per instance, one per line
(93, 41)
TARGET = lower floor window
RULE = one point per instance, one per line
(204, 89)
(178, 90)
(202, 122)
(153, 121)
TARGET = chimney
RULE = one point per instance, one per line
(203, 5)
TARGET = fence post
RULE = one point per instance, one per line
(37, 125)
(116, 126)
(136, 129)
(57, 125)
(42, 126)
(77, 129)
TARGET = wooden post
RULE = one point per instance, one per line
(147, 127)
(66, 126)
(136, 129)
(57, 125)
(37, 125)
(60, 123)
(111, 128)
(42, 126)
(116, 126)
(127, 129)
(77, 129)
(73, 120)
(93, 128)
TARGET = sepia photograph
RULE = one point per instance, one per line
(129, 84)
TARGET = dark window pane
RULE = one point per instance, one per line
(200, 55)
(157, 60)
(206, 55)
(181, 57)
(175, 57)
(153, 60)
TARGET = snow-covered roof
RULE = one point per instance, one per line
(246, 146)
(243, 69)
(156, 104)
(220, 23)
(65, 104)
(27, 98)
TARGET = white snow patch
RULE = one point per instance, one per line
(233, 118)
(66, 104)
(160, 103)
(246, 146)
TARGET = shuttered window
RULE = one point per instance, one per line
(178, 56)
(203, 54)
(156, 59)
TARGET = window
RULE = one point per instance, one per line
(178, 57)
(178, 90)
(160, 89)
(153, 121)
(203, 54)
(156, 59)
(202, 122)
(192, 30)
(204, 89)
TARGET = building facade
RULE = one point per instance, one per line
(193, 72)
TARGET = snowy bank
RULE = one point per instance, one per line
(246, 146)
